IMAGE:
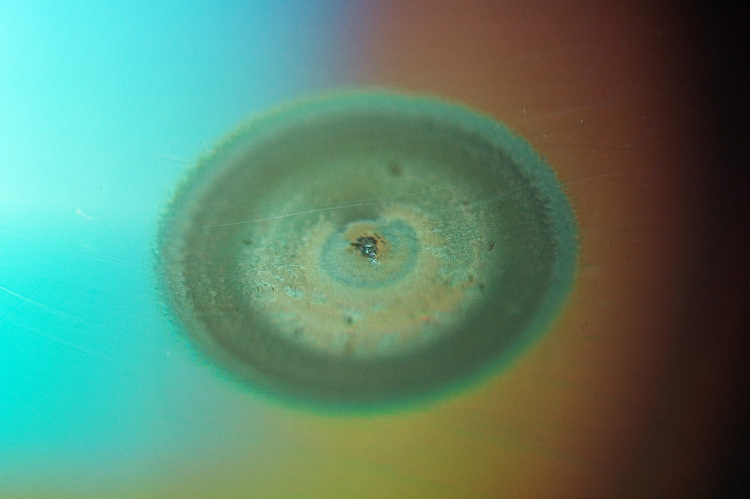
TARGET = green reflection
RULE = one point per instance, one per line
(367, 249)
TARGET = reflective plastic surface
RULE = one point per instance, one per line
(367, 248)
(636, 389)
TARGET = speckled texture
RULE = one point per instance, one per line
(476, 249)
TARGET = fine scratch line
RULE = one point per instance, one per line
(289, 215)
(338, 207)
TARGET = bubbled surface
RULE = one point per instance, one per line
(367, 248)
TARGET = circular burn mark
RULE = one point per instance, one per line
(348, 251)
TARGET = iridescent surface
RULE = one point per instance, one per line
(469, 248)
(634, 391)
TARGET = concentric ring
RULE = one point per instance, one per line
(366, 249)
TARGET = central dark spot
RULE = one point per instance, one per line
(396, 169)
(367, 246)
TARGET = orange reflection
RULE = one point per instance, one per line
(610, 403)
(629, 392)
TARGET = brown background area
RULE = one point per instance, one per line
(642, 378)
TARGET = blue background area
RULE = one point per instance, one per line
(104, 106)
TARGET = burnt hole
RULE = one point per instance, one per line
(367, 246)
